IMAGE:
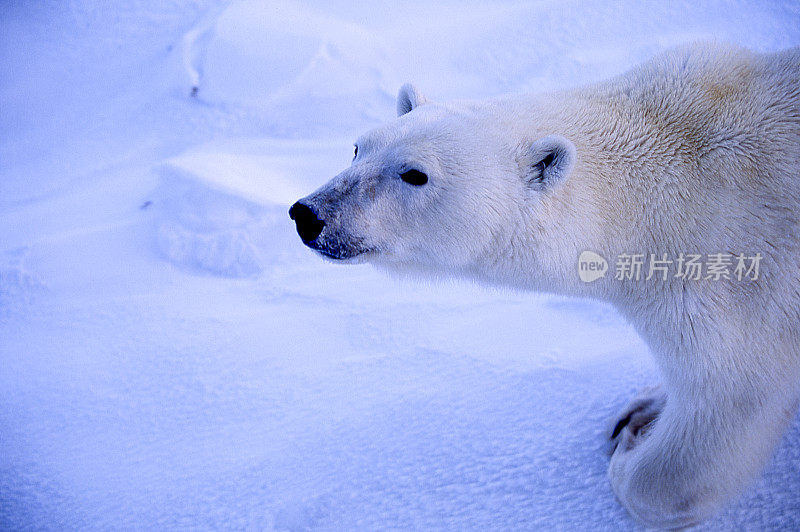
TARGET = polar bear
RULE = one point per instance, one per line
(694, 153)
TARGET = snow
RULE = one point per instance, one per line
(173, 357)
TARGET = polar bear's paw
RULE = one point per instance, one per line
(635, 420)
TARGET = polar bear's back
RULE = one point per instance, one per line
(705, 139)
(727, 112)
(715, 94)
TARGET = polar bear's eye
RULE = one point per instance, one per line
(355, 151)
(414, 177)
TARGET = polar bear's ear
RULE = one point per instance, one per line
(548, 161)
(408, 99)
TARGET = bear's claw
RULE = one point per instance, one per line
(636, 418)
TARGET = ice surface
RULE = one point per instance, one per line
(171, 356)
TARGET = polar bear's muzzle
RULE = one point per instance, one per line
(323, 237)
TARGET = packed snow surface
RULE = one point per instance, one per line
(172, 357)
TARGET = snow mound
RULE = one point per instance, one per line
(220, 206)
(279, 60)
(207, 227)
(16, 282)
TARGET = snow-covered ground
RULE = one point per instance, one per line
(172, 357)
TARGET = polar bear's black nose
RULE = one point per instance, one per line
(309, 226)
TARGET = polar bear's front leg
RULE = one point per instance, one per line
(675, 462)
(660, 469)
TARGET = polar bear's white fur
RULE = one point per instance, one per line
(696, 151)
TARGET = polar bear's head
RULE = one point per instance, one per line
(438, 189)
